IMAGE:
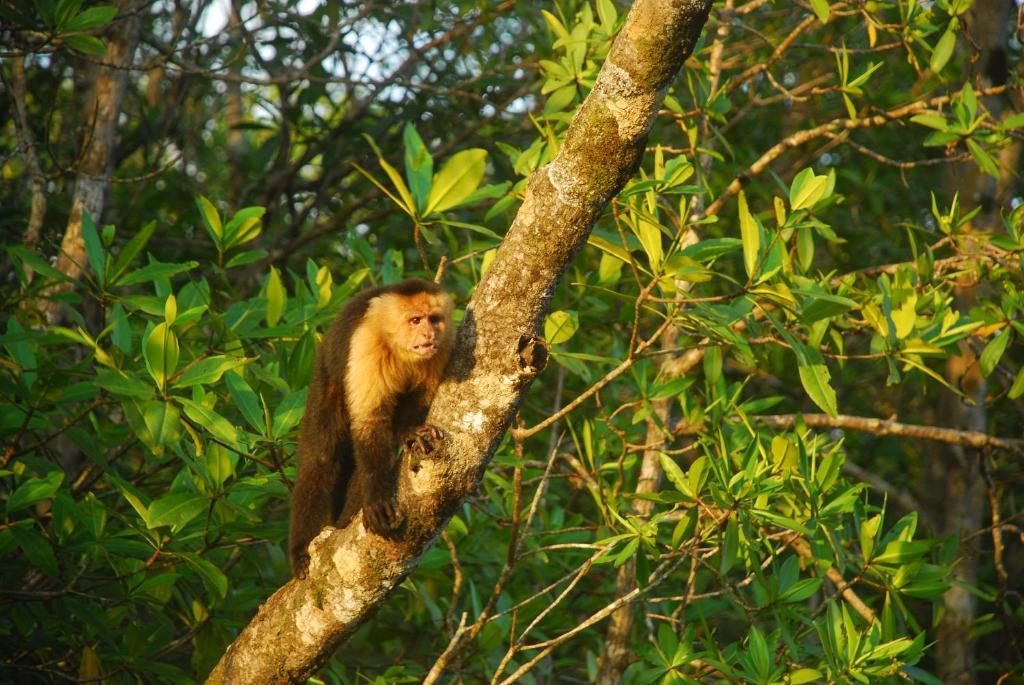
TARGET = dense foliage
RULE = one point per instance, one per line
(828, 221)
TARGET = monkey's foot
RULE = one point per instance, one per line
(300, 566)
(381, 517)
(423, 444)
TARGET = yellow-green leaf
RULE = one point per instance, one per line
(170, 310)
(943, 50)
(560, 326)
(456, 180)
(161, 351)
(276, 297)
(750, 235)
(211, 219)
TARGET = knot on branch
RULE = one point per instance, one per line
(533, 355)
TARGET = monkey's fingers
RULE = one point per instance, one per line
(423, 443)
(381, 517)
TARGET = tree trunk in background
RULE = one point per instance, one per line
(618, 653)
(106, 95)
(27, 143)
(956, 477)
(236, 140)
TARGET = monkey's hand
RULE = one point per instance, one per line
(380, 516)
(422, 444)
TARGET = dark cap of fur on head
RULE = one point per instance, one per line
(412, 286)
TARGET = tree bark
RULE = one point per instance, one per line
(27, 144)
(107, 92)
(496, 356)
(958, 474)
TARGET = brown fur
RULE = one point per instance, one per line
(373, 379)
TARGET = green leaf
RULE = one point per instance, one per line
(458, 178)
(90, 45)
(65, 10)
(128, 386)
(208, 370)
(276, 297)
(175, 510)
(90, 18)
(814, 376)
(801, 590)
(94, 251)
(900, 552)
(247, 402)
(289, 412)
(1017, 389)
(782, 521)
(131, 248)
(156, 270)
(993, 351)
(675, 474)
(560, 99)
(419, 167)
(821, 10)
(824, 306)
(243, 226)
(750, 234)
(650, 238)
(220, 463)
(34, 490)
(213, 578)
(161, 420)
(170, 309)
(807, 189)
(211, 219)
(805, 675)
(759, 655)
(607, 13)
(403, 199)
(730, 546)
(560, 326)
(983, 158)
(161, 351)
(33, 261)
(36, 549)
(712, 364)
(219, 427)
(555, 25)
(805, 247)
(943, 49)
(1014, 121)
(247, 257)
(609, 248)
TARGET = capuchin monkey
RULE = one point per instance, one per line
(373, 379)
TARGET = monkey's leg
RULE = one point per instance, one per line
(314, 505)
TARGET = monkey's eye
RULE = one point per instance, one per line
(415, 320)
(435, 319)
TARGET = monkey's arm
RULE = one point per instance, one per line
(373, 445)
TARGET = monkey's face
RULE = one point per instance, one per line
(421, 324)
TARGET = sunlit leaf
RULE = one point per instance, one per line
(750, 234)
(456, 180)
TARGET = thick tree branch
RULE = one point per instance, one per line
(497, 355)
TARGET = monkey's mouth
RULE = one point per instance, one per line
(425, 350)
